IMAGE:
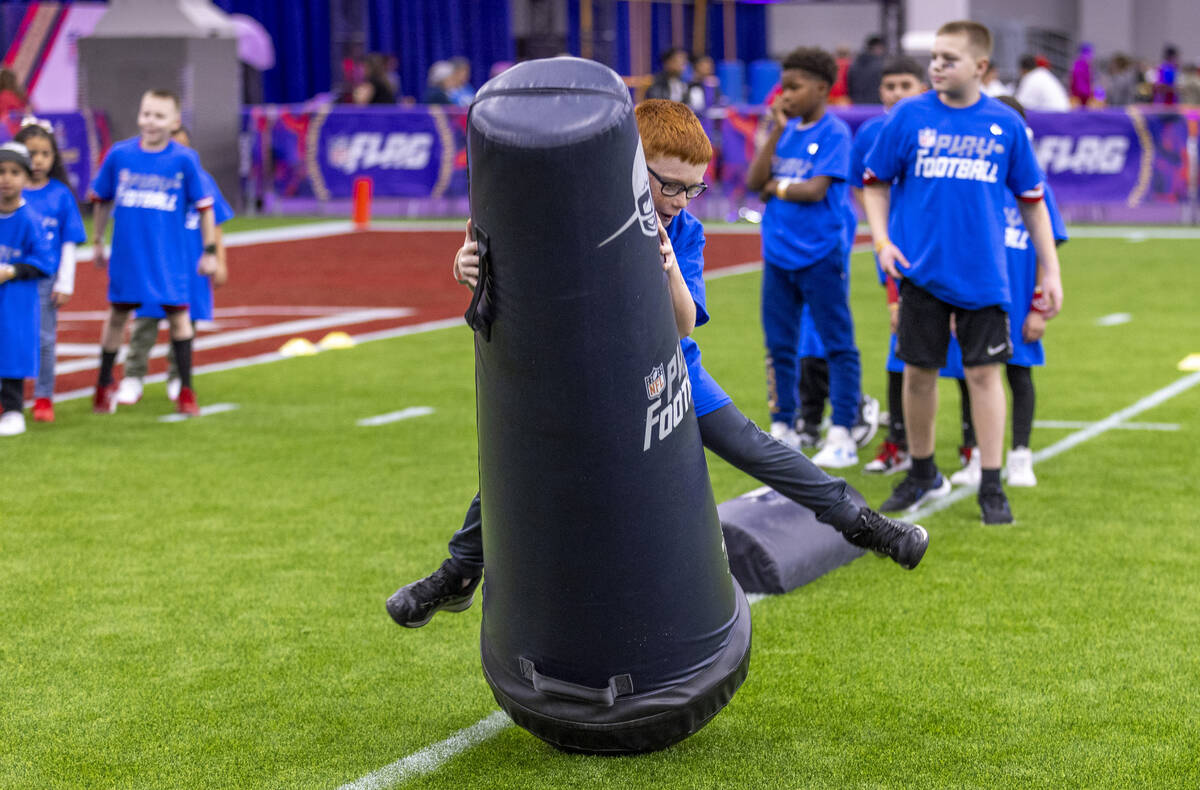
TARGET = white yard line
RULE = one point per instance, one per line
(395, 416)
(216, 408)
(1125, 426)
(1114, 319)
(236, 336)
(432, 757)
(1114, 420)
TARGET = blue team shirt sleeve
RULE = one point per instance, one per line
(886, 158)
(36, 247)
(104, 184)
(687, 239)
(222, 211)
(1024, 174)
(833, 154)
(195, 188)
(70, 224)
(1056, 221)
(868, 133)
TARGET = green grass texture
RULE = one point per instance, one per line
(200, 604)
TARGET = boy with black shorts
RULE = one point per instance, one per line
(677, 153)
(947, 158)
(152, 181)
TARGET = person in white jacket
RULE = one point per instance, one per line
(1038, 89)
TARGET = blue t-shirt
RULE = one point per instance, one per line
(795, 235)
(22, 240)
(151, 194)
(1022, 276)
(200, 302)
(687, 238)
(950, 170)
(864, 138)
(55, 203)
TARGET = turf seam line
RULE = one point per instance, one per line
(1114, 420)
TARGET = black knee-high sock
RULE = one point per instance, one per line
(183, 360)
(107, 360)
(968, 426)
(897, 434)
(1020, 381)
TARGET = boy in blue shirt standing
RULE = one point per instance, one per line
(153, 181)
(677, 153)
(947, 158)
(801, 171)
(200, 304)
(24, 259)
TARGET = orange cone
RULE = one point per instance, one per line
(363, 186)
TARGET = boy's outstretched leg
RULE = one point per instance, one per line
(452, 586)
(737, 440)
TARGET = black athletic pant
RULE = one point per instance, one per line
(737, 440)
(1020, 381)
(814, 391)
(12, 394)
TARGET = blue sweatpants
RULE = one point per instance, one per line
(825, 288)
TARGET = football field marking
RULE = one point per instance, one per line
(1115, 420)
(205, 411)
(395, 416)
(433, 757)
(1114, 319)
(1125, 426)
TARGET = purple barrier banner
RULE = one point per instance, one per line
(408, 152)
(1120, 157)
(1129, 156)
(83, 140)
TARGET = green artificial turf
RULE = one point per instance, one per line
(200, 604)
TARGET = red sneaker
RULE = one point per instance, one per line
(105, 399)
(43, 410)
(891, 459)
(187, 402)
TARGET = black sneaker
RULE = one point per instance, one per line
(911, 493)
(993, 507)
(414, 605)
(905, 543)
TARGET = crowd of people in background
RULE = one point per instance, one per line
(1090, 82)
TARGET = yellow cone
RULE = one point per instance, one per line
(335, 340)
(298, 347)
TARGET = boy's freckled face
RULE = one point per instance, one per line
(801, 93)
(674, 170)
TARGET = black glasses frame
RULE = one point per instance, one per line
(673, 188)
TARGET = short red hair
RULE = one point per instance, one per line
(669, 128)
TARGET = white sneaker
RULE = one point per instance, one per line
(1020, 468)
(12, 423)
(970, 474)
(839, 451)
(785, 434)
(173, 387)
(129, 391)
(864, 430)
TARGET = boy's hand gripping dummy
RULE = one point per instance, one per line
(611, 622)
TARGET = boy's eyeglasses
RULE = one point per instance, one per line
(673, 188)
